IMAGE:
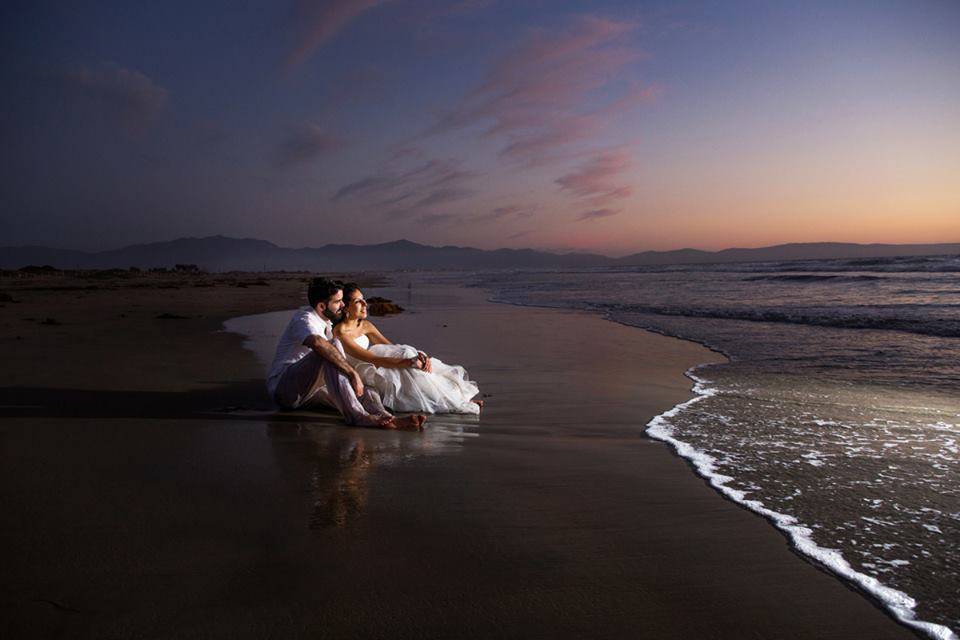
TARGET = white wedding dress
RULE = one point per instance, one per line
(446, 389)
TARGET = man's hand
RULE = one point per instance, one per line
(356, 383)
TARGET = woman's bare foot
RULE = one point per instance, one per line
(412, 422)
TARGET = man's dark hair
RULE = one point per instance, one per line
(321, 290)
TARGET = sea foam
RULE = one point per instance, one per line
(897, 602)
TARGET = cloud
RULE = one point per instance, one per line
(398, 198)
(597, 178)
(402, 151)
(542, 95)
(597, 213)
(550, 65)
(320, 21)
(441, 196)
(502, 213)
(124, 95)
(537, 146)
(423, 186)
(395, 193)
(436, 219)
(432, 199)
(387, 181)
(306, 142)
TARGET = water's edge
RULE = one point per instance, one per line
(897, 603)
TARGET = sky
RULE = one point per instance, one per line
(609, 127)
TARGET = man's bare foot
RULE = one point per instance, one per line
(412, 422)
(479, 403)
(386, 421)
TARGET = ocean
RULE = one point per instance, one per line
(837, 416)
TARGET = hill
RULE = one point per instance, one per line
(220, 253)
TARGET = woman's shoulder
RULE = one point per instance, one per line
(341, 329)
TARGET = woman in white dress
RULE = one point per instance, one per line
(405, 378)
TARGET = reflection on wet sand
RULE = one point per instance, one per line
(340, 493)
(343, 463)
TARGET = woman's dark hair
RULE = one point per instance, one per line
(321, 290)
(349, 288)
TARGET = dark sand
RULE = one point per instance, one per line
(148, 492)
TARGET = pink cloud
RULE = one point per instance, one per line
(541, 46)
(542, 95)
(452, 176)
(596, 214)
(538, 145)
(322, 20)
(598, 178)
(638, 94)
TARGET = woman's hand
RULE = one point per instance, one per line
(425, 362)
(422, 362)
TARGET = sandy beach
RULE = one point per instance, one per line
(150, 490)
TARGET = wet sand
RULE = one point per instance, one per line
(177, 504)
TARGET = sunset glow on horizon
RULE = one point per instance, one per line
(622, 128)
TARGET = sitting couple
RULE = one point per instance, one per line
(331, 356)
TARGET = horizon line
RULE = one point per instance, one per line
(558, 252)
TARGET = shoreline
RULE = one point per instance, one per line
(896, 603)
(888, 600)
(551, 515)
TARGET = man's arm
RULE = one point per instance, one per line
(328, 352)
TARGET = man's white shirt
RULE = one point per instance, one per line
(304, 323)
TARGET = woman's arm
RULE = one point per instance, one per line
(376, 337)
(358, 352)
(374, 334)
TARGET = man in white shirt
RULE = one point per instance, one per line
(310, 370)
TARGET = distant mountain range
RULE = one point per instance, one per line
(219, 253)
